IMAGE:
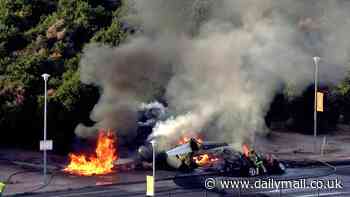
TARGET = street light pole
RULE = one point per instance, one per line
(316, 61)
(46, 77)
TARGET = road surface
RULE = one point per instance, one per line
(167, 187)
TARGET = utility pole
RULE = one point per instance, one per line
(46, 77)
(316, 61)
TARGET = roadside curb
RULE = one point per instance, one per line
(35, 166)
(304, 163)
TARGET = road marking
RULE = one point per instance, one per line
(291, 190)
(87, 193)
(329, 165)
(103, 191)
(325, 194)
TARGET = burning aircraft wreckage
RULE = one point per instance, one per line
(196, 155)
(190, 154)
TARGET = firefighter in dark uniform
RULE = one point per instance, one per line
(257, 161)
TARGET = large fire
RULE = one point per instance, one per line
(101, 163)
(204, 159)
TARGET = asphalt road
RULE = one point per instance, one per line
(169, 188)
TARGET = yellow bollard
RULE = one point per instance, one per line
(149, 186)
(2, 188)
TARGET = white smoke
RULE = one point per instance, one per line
(219, 62)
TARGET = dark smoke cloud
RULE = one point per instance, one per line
(127, 76)
(220, 62)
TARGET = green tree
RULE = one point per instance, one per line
(112, 35)
(38, 36)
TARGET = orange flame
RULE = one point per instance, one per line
(184, 140)
(101, 163)
(204, 159)
(245, 150)
(187, 138)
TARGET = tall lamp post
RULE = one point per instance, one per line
(46, 77)
(316, 61)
